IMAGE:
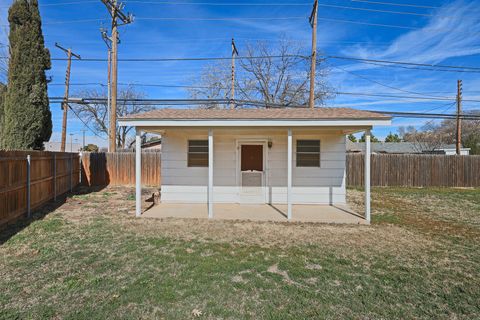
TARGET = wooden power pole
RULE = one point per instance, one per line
(313, 24)
(459, 112)
(115, 10)
(65, 96)
(108, 42)
(232, 91)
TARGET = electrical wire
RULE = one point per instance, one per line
(275, 5)
(425, 97)
(386, 63)
(402, 63)
(84, 123)
(396, 4)
(261, 104)
(382, 84)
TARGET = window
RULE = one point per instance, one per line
(308, 153)
(198, 153)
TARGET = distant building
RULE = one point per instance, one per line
(154, 145)
(403, 148)
(451, 150)
(69, 147)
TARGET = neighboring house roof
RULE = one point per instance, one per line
(394, 147)
(155, 144)
(451, 147)
(383, 147)
(259, 114)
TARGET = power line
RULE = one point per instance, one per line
(401, 97)
(399, 114)
(275, 18)
(217, 19)
(403, 63)
(387, 95)
(84, 123)
(397, 4)
(236, 4)
(418, 68)
(385, 63)
(179, 59)
(267, 105)
(382, 84)
(277, 4)
(375, 10)
(435, 67)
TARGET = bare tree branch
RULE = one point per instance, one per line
(281, 80)
(96, 114)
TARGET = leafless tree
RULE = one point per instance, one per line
(424, 140)
(272, 75)
(432, 136)
(213, 81)
(96, 114)
(448, 128)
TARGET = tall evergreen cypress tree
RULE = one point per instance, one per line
(27, 118)
(3, 90)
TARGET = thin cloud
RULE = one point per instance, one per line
(453, 31)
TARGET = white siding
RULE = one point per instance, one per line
(324, 185)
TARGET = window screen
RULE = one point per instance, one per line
(308, 153)
(198, 153)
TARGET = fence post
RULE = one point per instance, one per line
(71, 171)
(80, 168)
(28, 185)
(54, 177)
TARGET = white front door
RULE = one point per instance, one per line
(252, 172)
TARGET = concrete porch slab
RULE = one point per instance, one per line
(260, 212)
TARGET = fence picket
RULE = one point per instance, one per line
(46, 174)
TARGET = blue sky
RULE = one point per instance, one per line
(446, 32)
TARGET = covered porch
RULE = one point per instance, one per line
(258, 212)
(310, 190)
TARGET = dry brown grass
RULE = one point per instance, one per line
(91, 256)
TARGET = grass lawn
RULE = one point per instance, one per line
(89, 259)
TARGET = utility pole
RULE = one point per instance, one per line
(108, 42)
(83, 139)
(71, 142)
(65, 97)
(459, 112)
(232, 92)
(313, 24)
(115, 10)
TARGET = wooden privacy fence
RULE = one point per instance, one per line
(415, 170)
(28, 179)
(100, 169)
(387, 170)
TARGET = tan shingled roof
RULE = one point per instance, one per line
(258, 114)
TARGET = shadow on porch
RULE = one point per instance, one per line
(258, 212)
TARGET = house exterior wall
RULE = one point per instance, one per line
(323, 185)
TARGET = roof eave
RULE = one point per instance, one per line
(139, 122)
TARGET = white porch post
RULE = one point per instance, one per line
(289, 175)
(210, 173)
(367, 175)
(138, 173)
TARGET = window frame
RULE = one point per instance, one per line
(297, 153)
(189, 153)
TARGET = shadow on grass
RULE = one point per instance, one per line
(10, 229)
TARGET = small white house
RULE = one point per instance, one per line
(253, 156)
